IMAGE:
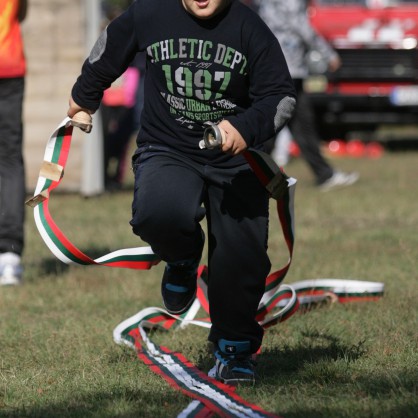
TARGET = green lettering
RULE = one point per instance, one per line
(226, 77)
(228, 56)
(205, 54)
(192, 43)
(167, 71)
(172, 53)
(244, 65)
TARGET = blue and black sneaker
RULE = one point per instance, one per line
(179, 284)
(234, 363)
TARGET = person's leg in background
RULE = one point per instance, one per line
(12, 181)
(118, 130)
(305, 134)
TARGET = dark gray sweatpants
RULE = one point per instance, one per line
(172, 195)
(12, 176)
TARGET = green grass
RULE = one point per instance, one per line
(57, 356)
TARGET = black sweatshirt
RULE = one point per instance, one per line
(228, 67)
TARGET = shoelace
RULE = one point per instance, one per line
(236, 361)
(242, 365)
(181, 278)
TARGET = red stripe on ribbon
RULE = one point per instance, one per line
(136, 265)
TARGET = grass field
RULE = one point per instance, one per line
(58, 359)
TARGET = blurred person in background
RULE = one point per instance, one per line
(120, 111)
(288, 20)
(12, 173)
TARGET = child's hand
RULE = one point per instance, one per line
(233, 142)
(80, 117)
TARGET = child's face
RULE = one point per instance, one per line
(204, 9)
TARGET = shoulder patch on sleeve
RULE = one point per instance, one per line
(284, 111)
(98, 48)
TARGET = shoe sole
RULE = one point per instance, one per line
(237, 382)
(339, 185)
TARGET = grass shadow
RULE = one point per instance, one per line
(314, 348)
(131, 404)
(51, 266)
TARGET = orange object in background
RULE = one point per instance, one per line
(354, 148)
(337, 147)
(374, 150)
(294, 149)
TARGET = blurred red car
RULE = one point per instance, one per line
(377, 83)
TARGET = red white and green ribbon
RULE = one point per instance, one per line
(56, 155)
(176, 370)
(278, 303)
(55, 159)
(212, 395)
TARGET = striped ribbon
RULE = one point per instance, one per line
(212, 396)
(55, 159)
(278, 303)
(179, 373)
(279, 185)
